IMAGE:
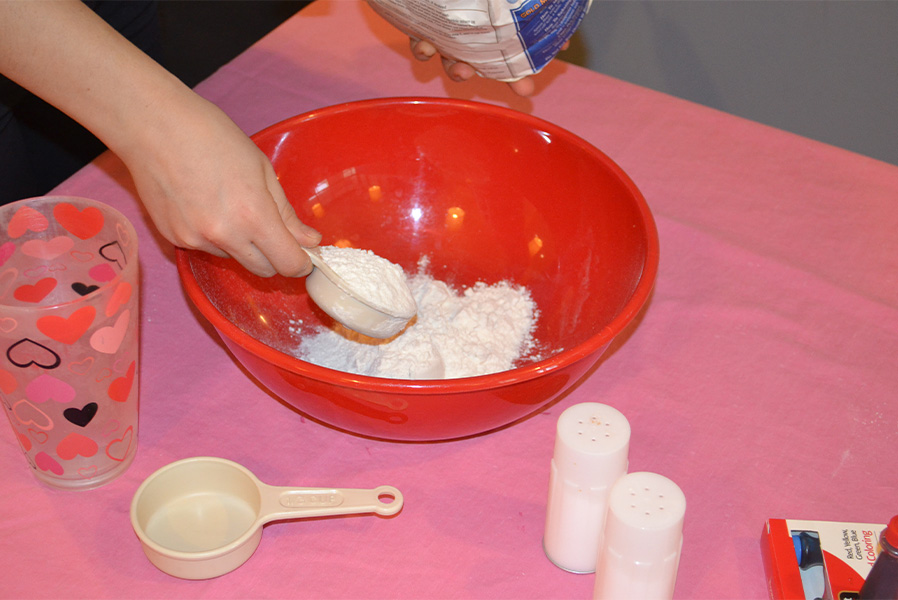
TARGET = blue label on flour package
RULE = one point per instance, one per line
(545, 25)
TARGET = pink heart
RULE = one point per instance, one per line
(46, 463)
(108, 339)
(123, 363)
(40, 437)
(28, 414)
(46, 387)
(7, 278)
(102, 273)
(8, 324)
(118, 449)
(6, 250)
(82, 256)
(110, 427)
(26, 219)
(39, 270)
(88, 472)
(75, 444)
(35, 272)
(123, 235)
(48, 249)
(81, 367)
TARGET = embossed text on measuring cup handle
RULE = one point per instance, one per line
(310, 498)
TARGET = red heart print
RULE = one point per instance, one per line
(35, 293)
(119, 297)
(84, 223)
(118, 449)
(26, 219)
(45, 462)
(67, 330)
(24, 441)
(75, 444)
(40, 437)
(48, 249)
(120, 388)
(8, 383)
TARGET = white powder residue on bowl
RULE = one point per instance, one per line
(371, 278)
(482, 330)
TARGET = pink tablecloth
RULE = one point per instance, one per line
(762, 376)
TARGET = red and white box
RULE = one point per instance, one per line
(805, 560)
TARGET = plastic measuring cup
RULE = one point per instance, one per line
(338, 299)
(202, 517)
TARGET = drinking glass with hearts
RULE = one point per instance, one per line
(69, 329)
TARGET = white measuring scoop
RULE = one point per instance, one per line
(338, 299)
(202, 517)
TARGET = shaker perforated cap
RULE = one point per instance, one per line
(643, 538)
(592, 444)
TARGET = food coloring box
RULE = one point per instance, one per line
(809, 560)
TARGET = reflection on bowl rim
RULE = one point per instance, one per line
(525, 372)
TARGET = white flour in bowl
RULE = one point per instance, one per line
(482, 330)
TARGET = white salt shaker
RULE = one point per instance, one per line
(643, 538)
(592, 442)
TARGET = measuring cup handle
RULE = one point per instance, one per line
(296, 502)
(318, 263)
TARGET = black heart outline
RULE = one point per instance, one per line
(81, 416)
(56, 360)
(116, 244)
(82, 289)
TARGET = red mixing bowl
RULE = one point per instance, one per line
(488, 194)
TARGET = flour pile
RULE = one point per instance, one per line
(482, 330)
(372, 279)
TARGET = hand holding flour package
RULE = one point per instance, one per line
(501, 39)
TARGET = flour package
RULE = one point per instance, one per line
(501, 39)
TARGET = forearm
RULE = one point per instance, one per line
(202, 180)
(61, 51)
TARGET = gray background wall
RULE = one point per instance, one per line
(825, 69)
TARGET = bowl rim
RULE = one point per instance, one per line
(233, 334)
